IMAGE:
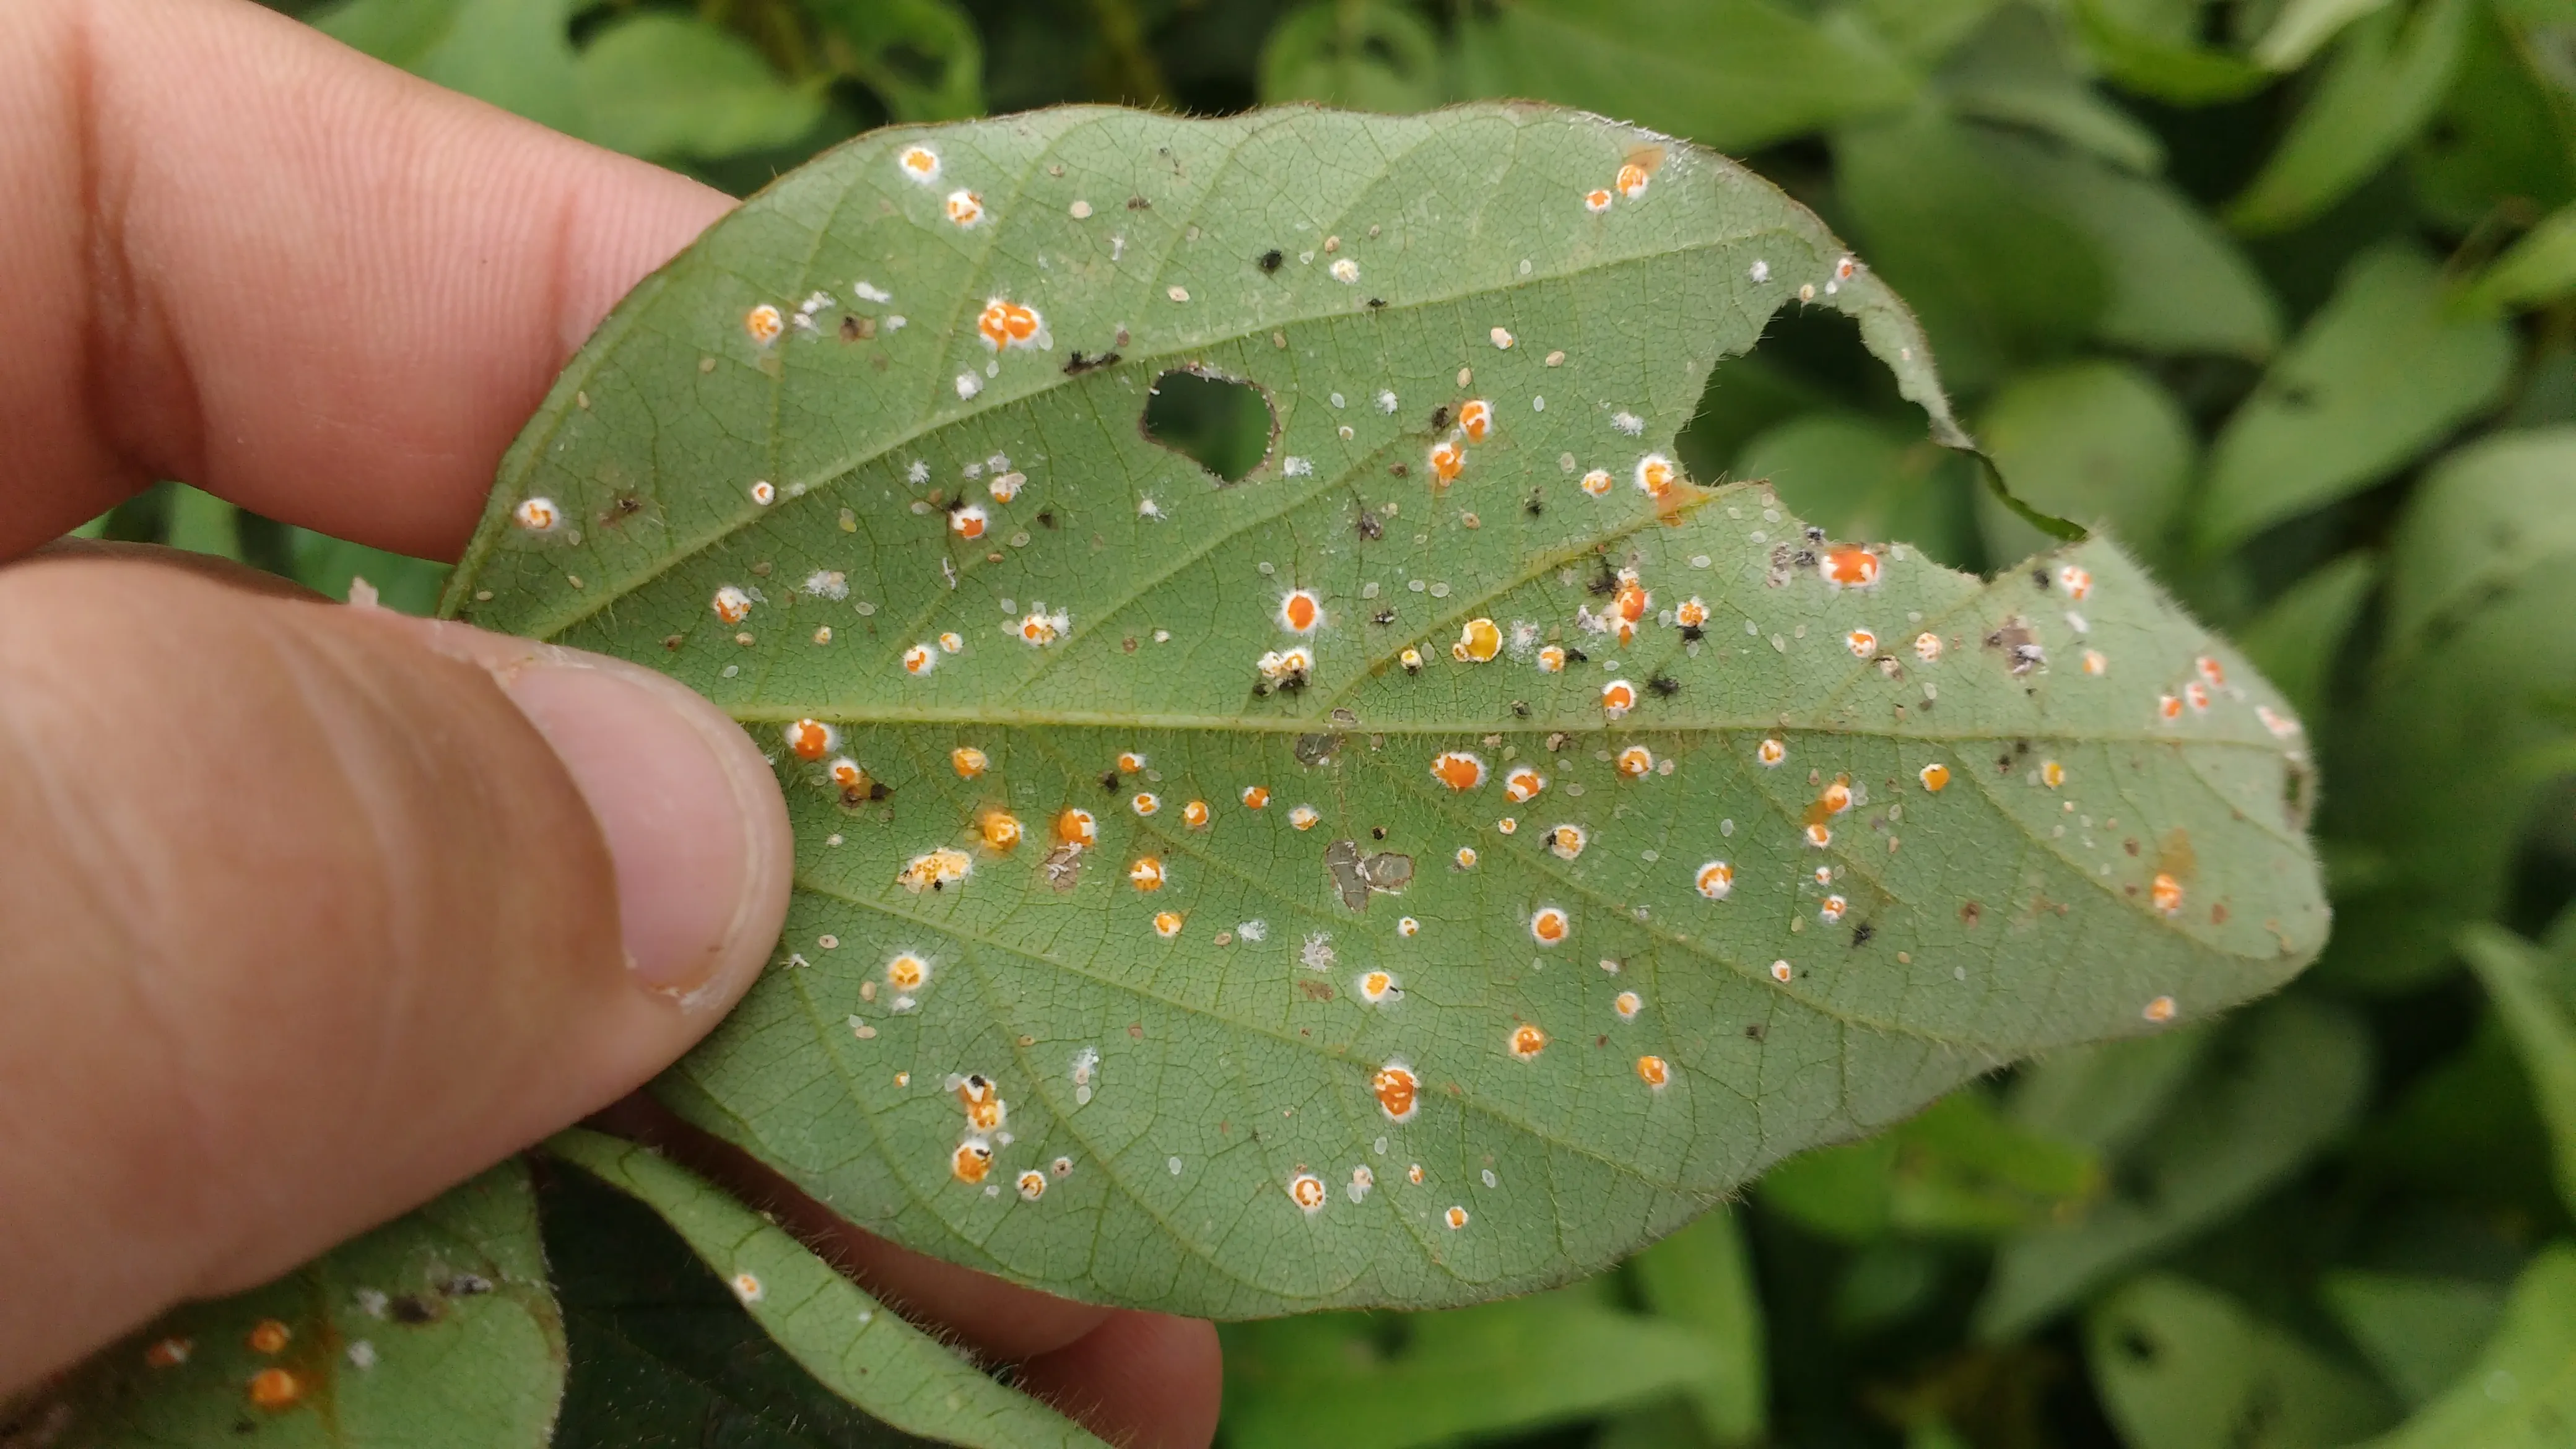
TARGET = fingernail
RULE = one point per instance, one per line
(690, 810)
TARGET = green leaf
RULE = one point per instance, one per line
(661, 85)
(2181, 1367)
(515, 54)
(2302, 28)
(1926, 30)
(662, 1353)
(2382, 86)
(2020, 73)
(2380, 374)
(1361, 1383)
(2521, 1393)
(1702, 1278)
(872, 1358)
(2420, 1333)
(2271, 1095)
(203, 523)
(1672, 1424)
(2103, 1097)
(2441, 768)
(2296, 641)
(1189, 1083)
(1996, 273)
(922, 58)
(332, 567)
(2166, 67)
(1367, 56)
(2100, 443)
(2541, 267)
(2542, 1024)
(2174, 282)
(1860, 478)
(2503, 144)
(1959, 1169)
(1730, 74)
(441, 1318)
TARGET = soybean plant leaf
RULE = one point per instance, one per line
(515, 54)
(1213, 1096)
(1366, 57)
(2181, 1367)
(203, 523)
(2521, 1392)
(2102, 1097)
(1435, 1378)
(2440, 767)
(2381, 373)
(662, 85)
(1959, 1169)
(2380, 89)
(2503, 142)
(437, 1323)
(2541, 267)
(1732, 74)
(334, 567)
(1702, 1278)
(2420, 1333)
(2302, 28)
(2272, 1092)
(1996, 273)
(922, 58)
(1672, 1424)
(2020, 73)
(662, 1354)
(1926, 30)
(2100, 443)
(872, 1358)
(1860, 478)
(2542, 1023)
(2167, 67)
(2173, 281)
(2296, 640)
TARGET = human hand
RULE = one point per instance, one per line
(310, 911)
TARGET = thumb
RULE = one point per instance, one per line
(308, 912)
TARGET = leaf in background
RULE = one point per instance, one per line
(330, 566)
(660, 85)
(2174, 282)
(1926, 30)
(2272, 1092)
(922, 58)
(872, 1358)
(1148, 1055)
(1860, 478)
(2302, 28)
(202, 523)
(1672, 1424)
(1729, 74)
(2420, 1333)
(1702, 1278)
(2531, 997)
(2019, 72)
(2438, 772)
(2181, 1367)
(662, 1354)
(2102, 1097)
(1516, 1365)
(1959, 1169)
(2381, 87)
(1995, 273)
(2374, 379)
(2521, 1393)
(2466, 1132)
(2099, 443)
(2296, 641)
(442, 1316)
(2167, 67)
(2541, 267)
(2503, 144)
(515, 54)
(1367, 57)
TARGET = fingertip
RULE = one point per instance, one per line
(1140, 1380)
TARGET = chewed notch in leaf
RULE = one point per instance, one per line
(1429, 868)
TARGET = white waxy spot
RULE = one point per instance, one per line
(1081, 210)
(1628, 422)
(1177, 294)
(1174, 1164)
(1386, 402)
(1502, 338)
(1296, 467)
(868, 292)
(1346, 271)
(968, 384)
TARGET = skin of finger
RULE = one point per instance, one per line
(1143, 1380)
(304, 924)
(236, 252)
(1136, 1379)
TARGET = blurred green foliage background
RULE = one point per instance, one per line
(2280, 292)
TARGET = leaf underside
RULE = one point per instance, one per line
(1169, 1091)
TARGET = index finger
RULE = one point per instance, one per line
(240, 254)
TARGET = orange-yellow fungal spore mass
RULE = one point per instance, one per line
(1478, 642)
(1255, 796)
(968, 761)
(1032, 1185)
(169, 1353)
(1771, 751)
(1458, 769)
(1447, 461)
(1074, 826)
(2160, 1010)
(764, 324)
(1618, 697)
(1398, 1091)
(1146, 802)
(811, 739)
(1195, 815)
(1476, 419)
(935, 870)
(969, 523)
(731, 604)
(1455, 1217)
(1522, 783)
(972, 1160)
(1307, 1191)
(1632, 181)
(1716, 880)
(1935, 777)
(918, 163)
(2166, 892)
(1597, 482)
(1849, 566)
(1628, 1004)
(1636, 762)
(1550, 925)
(1009, 324)
(965, 208)
(1167, 924)
(1652, 1071)
(275, 1389)
(1527, 1041)
(1300, 612)
(1000, 829)
(1146, 874)
(1861, 643)
(907, 972)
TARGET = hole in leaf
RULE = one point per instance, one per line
(1220, 423)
